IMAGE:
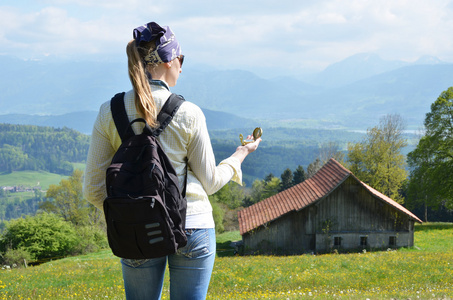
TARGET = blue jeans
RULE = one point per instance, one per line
(190, 270)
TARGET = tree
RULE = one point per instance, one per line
(256, 194)
(326, 152)
(218, 214)
(262, 189)
(268, 177)
(12, 158)
(287, 180)
(231, 194)
(299, 175)
(229, 197)
(418, 188)
(66, 200)
(431, 175)
(271, 188)
(330, 150)
(378, 160)
(314, 167)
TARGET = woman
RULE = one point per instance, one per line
(154, 62)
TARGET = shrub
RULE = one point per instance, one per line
(17, 257)
(91, 239)
(44, 236)
(218, 214)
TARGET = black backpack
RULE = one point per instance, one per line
(145, 210)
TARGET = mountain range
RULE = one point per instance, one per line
(351, 94)
(82, 121)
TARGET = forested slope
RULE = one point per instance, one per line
(27, 147)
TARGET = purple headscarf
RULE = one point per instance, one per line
(167, 47)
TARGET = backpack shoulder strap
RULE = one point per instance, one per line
(164, 117)
(168, 111)
(120, 117)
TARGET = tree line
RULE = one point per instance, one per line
(15, 207)
(282, 148)
(28, 147)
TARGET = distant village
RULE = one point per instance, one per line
(19, 188)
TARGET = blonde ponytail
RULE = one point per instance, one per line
(144, 101)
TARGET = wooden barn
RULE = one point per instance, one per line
(331, 210)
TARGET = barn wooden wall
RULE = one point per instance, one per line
(349, 212)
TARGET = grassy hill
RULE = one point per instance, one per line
(422, 272)
(40, 179)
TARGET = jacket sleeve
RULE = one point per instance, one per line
(202, 161)
(99, 157)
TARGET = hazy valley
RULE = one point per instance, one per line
(351, 94)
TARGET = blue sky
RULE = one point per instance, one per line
(285, 36)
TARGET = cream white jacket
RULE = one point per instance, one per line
(185, 139)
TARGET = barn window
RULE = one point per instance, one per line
(392, 240)
(337, 241)
(363, 240)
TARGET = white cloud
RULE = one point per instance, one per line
(52, 30)
(259, 34)
(103, 4)
(331, 18)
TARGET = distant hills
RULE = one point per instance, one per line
(351, 94)
(82, 121)
(361, 66)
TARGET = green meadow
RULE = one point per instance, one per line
(30, 179)
(34, 178)
(422, 272)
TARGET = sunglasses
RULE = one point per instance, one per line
(181, 59)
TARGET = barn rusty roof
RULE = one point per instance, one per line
(325, 181)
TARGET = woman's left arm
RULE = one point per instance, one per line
(99, 157)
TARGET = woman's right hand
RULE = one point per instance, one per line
(242, 151)
(252, 146)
